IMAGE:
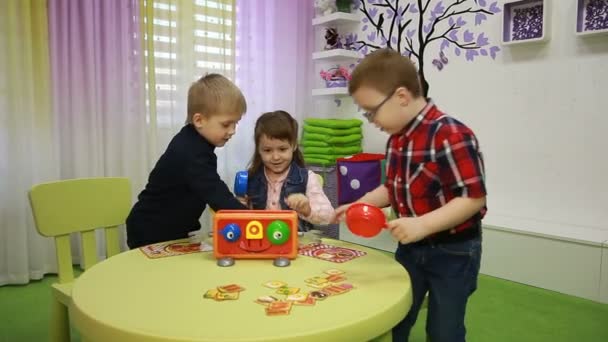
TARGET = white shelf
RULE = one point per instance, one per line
(336, 55)
(591, 33)
(330, 91)
(336, 18)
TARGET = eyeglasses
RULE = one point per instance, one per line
(372, 113)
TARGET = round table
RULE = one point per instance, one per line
(131, 297)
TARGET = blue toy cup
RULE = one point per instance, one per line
(240, 183)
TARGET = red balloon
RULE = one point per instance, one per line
(365, 220)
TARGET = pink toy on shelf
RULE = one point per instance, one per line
(336, 77)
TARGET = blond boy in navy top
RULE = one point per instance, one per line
(185, 179)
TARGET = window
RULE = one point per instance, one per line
(189, 40)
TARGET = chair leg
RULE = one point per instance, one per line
(60, 322)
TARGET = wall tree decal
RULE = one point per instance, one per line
(411, 26)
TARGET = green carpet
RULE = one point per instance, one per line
(499, 311)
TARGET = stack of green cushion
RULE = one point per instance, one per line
(325, 140)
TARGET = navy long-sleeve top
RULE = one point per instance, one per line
(183, 182)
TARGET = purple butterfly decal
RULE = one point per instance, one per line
(441, 61)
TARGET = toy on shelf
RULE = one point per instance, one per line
(332, 39)
(325, 140)
(240, 183)
(325, 7)
(365, 220)
(336, 77)
(255, 234)
(344, 5)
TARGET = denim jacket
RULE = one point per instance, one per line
(295, 182)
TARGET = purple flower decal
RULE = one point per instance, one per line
(468, 36)
(401, 31)
(481, 40)
(438, 8)
(453, 35)
(470, 54)
(372, 12)
(427, 28)
(494, 8)
(479, 18)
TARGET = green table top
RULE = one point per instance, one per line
(130, 297)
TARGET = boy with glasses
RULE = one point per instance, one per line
(435, 183)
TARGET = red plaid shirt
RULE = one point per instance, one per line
(434, 159)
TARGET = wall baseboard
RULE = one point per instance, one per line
(550, 262)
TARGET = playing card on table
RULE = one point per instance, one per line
(275, 284)
(278, 308)
(230, 288)
(287, 290)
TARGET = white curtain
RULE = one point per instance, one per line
(274, 40)
(27, 153)
(105, 121)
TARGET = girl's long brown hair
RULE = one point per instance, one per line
(275, 125)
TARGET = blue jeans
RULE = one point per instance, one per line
(448, 271)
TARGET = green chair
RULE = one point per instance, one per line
(78, 205)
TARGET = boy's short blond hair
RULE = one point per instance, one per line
(385, 70)
(214, 94)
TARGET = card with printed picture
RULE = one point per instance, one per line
(333, 271)
(275, 284)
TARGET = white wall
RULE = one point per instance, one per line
(540, 114)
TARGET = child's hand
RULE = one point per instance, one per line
(407, 229)
(244, 200)
(299, 203)
(339, 213)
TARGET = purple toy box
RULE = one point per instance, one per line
(359, 174)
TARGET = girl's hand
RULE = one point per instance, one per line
(244, 200)
(339, 213)
(299, 203)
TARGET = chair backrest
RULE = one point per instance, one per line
(81, 205)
